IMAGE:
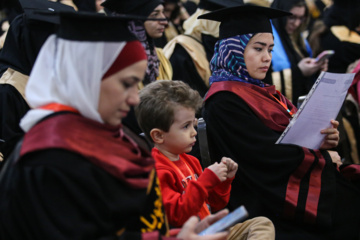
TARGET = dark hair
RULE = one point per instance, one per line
(158, 101)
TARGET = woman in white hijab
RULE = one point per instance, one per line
(75, 174)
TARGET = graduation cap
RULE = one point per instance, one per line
(212, 5)
(244, 19)
(87, 26)
(39, 9)
(132, 7)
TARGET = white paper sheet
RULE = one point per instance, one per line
(321, 105)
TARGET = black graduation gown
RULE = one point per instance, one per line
(345, 52)
(22, 45)
(57, 194)
(266, 168)
(63, 187)
(184, 70)
(13, 107)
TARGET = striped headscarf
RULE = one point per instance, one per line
(228, 62)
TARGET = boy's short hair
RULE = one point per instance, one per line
(158, 101)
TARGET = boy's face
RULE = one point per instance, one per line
(181, 136)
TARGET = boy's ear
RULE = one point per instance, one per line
(157, 135)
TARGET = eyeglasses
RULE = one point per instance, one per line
(293, 18)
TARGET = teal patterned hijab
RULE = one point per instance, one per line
(228, 62)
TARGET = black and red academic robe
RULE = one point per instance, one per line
(299, 189)
(79, 179)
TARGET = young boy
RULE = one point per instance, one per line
(166, 114)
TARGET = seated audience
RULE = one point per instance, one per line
(293, 69)
(27, 33)
(154, 27)
(185, 188)
(190, 53)
(75, 174)
(339, 31)
(159, 67)
(307, 193)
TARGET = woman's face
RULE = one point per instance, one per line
(257, 55)
(119, 92)
(293, 22)
(155, 29)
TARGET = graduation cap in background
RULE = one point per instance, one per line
(87, 26)
(44, 10)
(212, 5)
(244, 19)
(132, 7)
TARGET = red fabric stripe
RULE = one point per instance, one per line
(351, 172)
(293, 187)
(270, 112)
(312, 200)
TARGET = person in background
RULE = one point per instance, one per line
(8, 11)
(26, 35)
(176, 14)
(89, 5)
(185, 187)
(292, 65)
(339, 31)
(306, 193)
(83, 178)
(158, 66)
(190, 53)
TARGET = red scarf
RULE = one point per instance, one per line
(103, 145)
(260, 100)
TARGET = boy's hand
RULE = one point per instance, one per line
(231, 166)
(220, 170)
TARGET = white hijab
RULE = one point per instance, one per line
(68, 72)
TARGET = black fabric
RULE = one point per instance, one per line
(32, 10)
(22, 44)
(247, 18)
(212, 5)
(138, 7)
(345, 52)
(94, 27)
(160, 42)
(351, 114)
(10, 8)
(24, 40)
(343, 12)
(130, 121)
(85, 5)
(264, 170)
(208, 42)
(184, 70)
(190, 7)
(12, 108)
(56, 194)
